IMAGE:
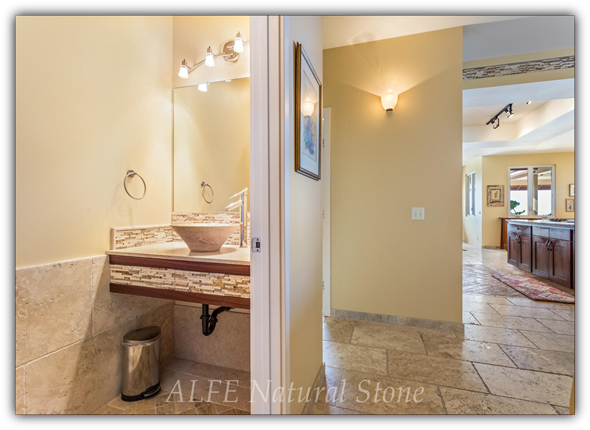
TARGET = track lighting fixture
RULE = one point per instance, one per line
(495, 120)
(231, 52)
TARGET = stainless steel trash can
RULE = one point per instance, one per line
(141, 364)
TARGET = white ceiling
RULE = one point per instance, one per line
(550, 129)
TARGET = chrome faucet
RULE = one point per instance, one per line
(242, 204)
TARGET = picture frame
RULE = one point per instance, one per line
(308, 117)
(495, 195)
(570, 205)
(572, 189)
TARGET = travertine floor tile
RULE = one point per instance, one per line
(324, 409)
(386, 336)
(559, 327)
(338, 329)
(486, 299)
(459, 402)
(468, 318)
(330, 388)
(178, 364)
(355, 357)
(467, 350)
(515, 323)
(478, 307)
(375, 394)
(526, 311)
(210, 372)
(525, 301)
(434, 370)
(541, 360)
(562, 410)
(20, 390)
(567, 313)
(550, 341)
(526, 385)
(496, 335)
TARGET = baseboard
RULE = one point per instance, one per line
(397, 320)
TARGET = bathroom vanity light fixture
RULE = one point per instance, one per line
(389, 101)
(203, 87)
(495, 120)
(231, 53)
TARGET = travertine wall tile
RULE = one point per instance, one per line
(228, 346)
(162, 317)
(79, 378)
(69, 329)
(111, 309)
(53, 307)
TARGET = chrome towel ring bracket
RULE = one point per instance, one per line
(203, 186)
(131, 174)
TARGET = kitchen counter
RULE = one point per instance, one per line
(545, 248)
(541, 223)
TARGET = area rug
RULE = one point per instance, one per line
(534, 289)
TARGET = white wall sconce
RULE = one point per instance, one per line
(389, 101)
(307, 108)
(231, 53)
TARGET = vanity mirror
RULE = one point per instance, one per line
(211, 144)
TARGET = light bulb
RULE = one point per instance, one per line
(209, 58)
(239, 44)
(203, 87)
(307, 108)
(389, 101)
(183, 72)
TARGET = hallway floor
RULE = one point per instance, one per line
(514, 356)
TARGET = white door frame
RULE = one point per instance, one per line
(268, 352)
(326, 279)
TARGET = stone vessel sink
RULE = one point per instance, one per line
(205, 237)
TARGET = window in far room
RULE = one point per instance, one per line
(531, 191)
(470, 194)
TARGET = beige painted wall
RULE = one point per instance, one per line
(385, 163)
(472, 224)
(495, 172)
(305, 224)
(94, 99)
(211, 144)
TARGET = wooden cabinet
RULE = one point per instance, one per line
(540, 253)
(519, 247)
(546, 251)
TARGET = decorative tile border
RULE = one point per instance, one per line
(519, 68)
(129, 237)
(220, 218)
(182, 280)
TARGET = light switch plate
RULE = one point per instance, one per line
(418, 214)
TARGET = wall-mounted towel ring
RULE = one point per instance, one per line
(203, 185)
(131, 174)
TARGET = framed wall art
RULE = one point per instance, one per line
(570, 205)
(495, 195)
(572, 189)
(308, 117)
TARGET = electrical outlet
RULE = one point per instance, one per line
(418, 214)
